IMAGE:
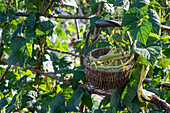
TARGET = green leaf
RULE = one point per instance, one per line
(87, 100)
(145, 62)
(3, 19)
(140, 3)
(105, 101)
(152, 39)
(47, 23)
(29, 98)
(150, 53)
(30, 21)
(27, 72)
(29, 48)
(129, 92)
(12, 60)
(98, 111)
(103, 44)
(78, 75)
(156, 7)
(12, 104)
(11, 77)
(30, 33)
(60, 33)
(3, 102)
(64, 46)
(75, 100)
(23, 80)
(1, 48)
(71, 28)
(131, 19)
(122, 3)
(54, 57)
(163, 62)
(17, 30)
(94, 5)
(115, 99)
(165, 41)
(6, 35)
(94, 19)
(167, 52)
(57, 105)
(11, 13)
(134, 108)
(141, 33)
(21, 51)
(154, 19)
(111, 110)
(118, 38)
(39, 33)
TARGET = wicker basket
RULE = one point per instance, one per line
(105, 79)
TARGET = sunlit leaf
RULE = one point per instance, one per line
(64, 46)
(71, 28)
(156, 7)
(154, 19)
(39, 33)
(141, 33)
(30, 49)
(164, 63)
(150, 53)
(60, 33)
(152, 39)
(27, 72)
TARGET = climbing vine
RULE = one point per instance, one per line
(43, 45)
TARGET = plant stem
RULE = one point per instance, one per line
(49, 5)
(65, 52)
(4, 73)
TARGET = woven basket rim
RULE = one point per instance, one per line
(101, 70)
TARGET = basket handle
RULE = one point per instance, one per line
(87, 40)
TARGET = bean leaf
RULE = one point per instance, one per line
(141, 33)
(150, 53)
(131, 19)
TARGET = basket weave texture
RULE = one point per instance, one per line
(105, 79)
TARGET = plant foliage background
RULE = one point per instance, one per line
(46, 71)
